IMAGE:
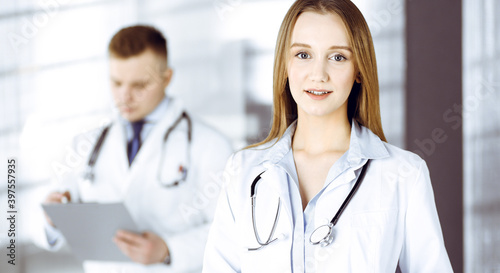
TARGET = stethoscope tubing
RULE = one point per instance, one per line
(89, 173)
(360, 178)
(325, 240)
(253, 195)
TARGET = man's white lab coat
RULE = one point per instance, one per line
(180, 215)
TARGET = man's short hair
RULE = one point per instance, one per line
(134, 40)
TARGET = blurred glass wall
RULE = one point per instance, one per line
(481, 116)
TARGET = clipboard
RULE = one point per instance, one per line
(89, 228)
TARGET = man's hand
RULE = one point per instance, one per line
(56, 197)
(145, 248)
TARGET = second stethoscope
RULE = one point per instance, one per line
(182, 170)
(322, 235)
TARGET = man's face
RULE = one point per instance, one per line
(138, 84)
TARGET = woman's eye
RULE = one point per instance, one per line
(302, 55)
(338, 58)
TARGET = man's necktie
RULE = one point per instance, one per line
(134, 145)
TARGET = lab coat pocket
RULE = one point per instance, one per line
(274, 258)
(369, 231)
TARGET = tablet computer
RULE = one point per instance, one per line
(89, 228)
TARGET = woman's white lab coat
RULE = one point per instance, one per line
(180, 214)
(392, 218)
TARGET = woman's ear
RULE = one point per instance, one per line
(358, 77)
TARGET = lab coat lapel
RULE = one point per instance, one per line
(276, 174)
(364, 145)
(277, 178)
(111, 169)
(274, 257)
(345, 176)
(116, 143)
(117, 146)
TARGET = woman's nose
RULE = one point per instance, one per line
(318, 71)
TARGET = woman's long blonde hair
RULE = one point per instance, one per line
(363, 102)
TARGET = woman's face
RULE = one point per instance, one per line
(321, 69)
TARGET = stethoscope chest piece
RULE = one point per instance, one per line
(87, 177)
(322, 235)
(173, 178)
(173, 170)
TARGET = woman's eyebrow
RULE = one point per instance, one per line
(332, 47)
(341, 47)
(300, 45)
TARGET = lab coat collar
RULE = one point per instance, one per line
(364, 144)
(151, 119)
(156, 115)
(280, 148)
(159, 112)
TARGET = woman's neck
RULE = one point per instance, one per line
(316, 135)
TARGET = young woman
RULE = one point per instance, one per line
(324, 192)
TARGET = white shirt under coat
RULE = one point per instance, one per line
(149, 121)
(392, 218)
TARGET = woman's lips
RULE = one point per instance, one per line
(318, 94)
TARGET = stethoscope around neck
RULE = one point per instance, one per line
(182, 170)
(322, 235)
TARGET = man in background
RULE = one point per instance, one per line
(154, 157)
